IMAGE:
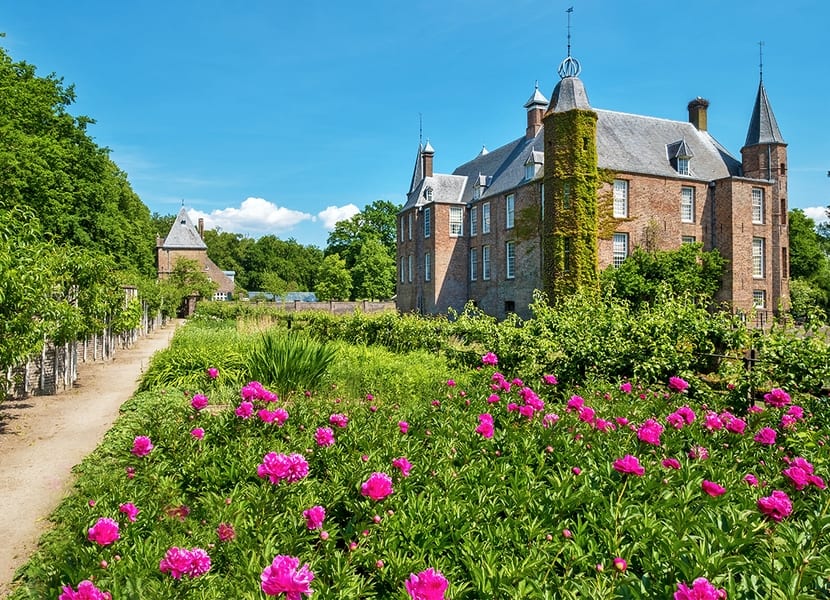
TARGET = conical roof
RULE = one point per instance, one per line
(183, 234)
(763, 128)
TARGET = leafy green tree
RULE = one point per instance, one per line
(334, 281)
(687, 270)
(376, 221)
(806, 252)
(374, 272)
(186, 279)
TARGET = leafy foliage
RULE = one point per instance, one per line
(288, 361)
(334, 281)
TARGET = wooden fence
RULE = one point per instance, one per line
(56, 368)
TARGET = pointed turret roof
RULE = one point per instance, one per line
(537, 100)
(183, 234)
(763, 128)
(418, 171)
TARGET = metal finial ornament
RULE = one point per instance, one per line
(569, 67)
(761, 56)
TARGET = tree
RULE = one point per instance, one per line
(809, 268)
(334, 282)
(377, 221)
(374, 272)
(186, 279)
(687, 270)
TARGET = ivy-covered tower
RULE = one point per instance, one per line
(570, 259)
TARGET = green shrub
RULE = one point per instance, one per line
(288, 361)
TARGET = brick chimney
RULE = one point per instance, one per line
(201, 228)
(427, 155)
(536, 107)
(697, 113)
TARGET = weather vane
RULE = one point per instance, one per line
(569, 11)
(570, 66)
(761, 57)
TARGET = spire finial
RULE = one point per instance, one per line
(420, 129)
(761, 56)
(570, 66)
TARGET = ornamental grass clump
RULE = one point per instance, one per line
(289, 361)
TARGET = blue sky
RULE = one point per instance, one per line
(281, 117)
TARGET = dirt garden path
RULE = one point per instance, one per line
(43, 437)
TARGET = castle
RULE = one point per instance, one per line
(579, 191)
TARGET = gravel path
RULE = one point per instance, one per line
(43, 437)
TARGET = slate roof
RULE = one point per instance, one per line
(763, 128)
(568, 94)
(183, 234)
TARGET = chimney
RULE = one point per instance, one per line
(427, 154)
(536, 107)
(201, 228)
(697, 113)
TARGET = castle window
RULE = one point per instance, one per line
(620, 248)
(427, 223)
(530, 171)
(758, 257)
(485, 263)
(485, 217)
(509, 205)
(683, 166)
(510, 259)
(620, 199)
(456, 221)
(679, 154)
(759, 299)
(410, 226)
(687, 239)
(566, 195)
(400, 230)
(785, 263)
(783, 211)
(687, 204)
(409, 264)
(758, 206)
(427, 267)
(474, 220)
(473, 264)
(428, 194)
(509, 306)
(403, 269)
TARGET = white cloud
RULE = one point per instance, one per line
(254, 215)
(816, 213)
(332, 214)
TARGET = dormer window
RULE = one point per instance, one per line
(530, 171)
(680, 156)
(533, 164)
(480, 186)
(428, 194)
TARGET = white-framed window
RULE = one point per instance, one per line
(687, 239)
(485, 262)
(759, 299)
(758, 206)
(427, 266)
(428, 194)
(510, 259)
(403, 269)
(401, 229)
(474, 220)
(485, 217)
(409, 261)
(683, 166)
(473, 264)
(687, 204)
(530, 171)
(427, 223)
(757, 257)
(620, 248)
(509, 210)
(620, 199)
(456, 221)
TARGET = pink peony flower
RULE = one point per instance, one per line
(712, 421)
(671, 463)
(314, 517)
(324, 436)
(701, 590)
(129, 509)
(699, 453)
(427, 585)
(777, 398)
(403, 426)
(575, 403)
(283, 467)
(86, 591)
(199, 401)
(549, 419)
(549, 380)
(142, 446)
(283, 576)
(377, 487)
(339, 420)
(676, 384)
(213, 373)
(776, 506)
(490, 359)
(766, 436)
(629, 465)
(198, 433)
(226, 532)
(796, 412)
(751, 479)
(712, 488)
(181, 561)
(104, 532)
(403, 464)
(576, 470)
(649, 432)
(620, 564)
(485, 427)
(736, 425)
(493, 398)
(625, 387)
(797, 476)
(245, 409)
(586, 414)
